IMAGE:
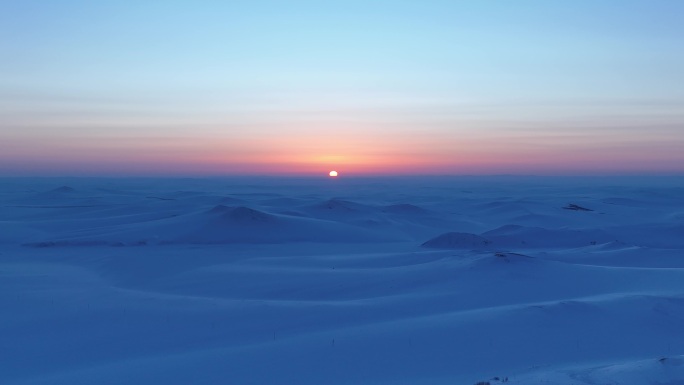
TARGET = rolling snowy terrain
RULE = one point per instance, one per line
(521, 280)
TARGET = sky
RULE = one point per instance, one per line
(259, 87)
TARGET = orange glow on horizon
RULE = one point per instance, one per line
(314, 153)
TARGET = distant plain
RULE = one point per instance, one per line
(434, 280)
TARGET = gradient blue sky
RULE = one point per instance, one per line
(366, 87)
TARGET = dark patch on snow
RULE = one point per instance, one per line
(574, 207)
(511, 257)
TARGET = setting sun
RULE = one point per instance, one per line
(333, 173)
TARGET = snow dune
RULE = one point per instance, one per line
(453, 281)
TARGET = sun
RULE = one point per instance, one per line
(333, 173)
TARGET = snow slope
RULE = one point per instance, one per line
(302, 281)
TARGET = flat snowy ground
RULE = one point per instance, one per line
(286, 281)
